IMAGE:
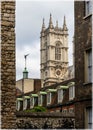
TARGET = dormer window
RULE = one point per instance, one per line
(48, 98)
(60, 91)
(50, 95)
(26, 102)
(71, 92)
(71, 86)
(33, 100)
(19, 104)
(60, 95)
(40, 100)
(88, 7)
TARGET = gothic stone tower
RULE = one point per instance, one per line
(54, 53)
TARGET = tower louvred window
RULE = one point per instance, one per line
(58, 52)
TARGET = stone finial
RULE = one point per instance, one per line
(64, 20)
(25, 72)
(43, 25)
(57, 24)
(50, 22)
(64, 24)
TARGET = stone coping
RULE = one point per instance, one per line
(44, 114)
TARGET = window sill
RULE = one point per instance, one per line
(87, 83)
(31, 107)
(39, 104)
(71, 99)
(48, 104)
(60, 101)
(87, 16)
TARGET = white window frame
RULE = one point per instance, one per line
(57, 110)
(88, 66)
(18, 105)
(48, 98)
(88, 118)
(31, 102)
(25, 104)
(71, 110)
(88, 7)
(64, 111)
(71, 92)
(40, 100)
(60, 95)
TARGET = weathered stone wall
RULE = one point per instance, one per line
(8, 97)
(44, 120)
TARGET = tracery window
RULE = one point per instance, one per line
(57, 52)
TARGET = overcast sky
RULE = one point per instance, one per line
(29, 16)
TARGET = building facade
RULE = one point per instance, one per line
(83, 64)
(28, 85)
(55, 98)
(54, 53)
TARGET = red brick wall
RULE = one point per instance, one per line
(37, 84)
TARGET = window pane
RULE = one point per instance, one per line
(88, 5)
(89, 74)
(60, 95)
(71, 92)
(89, 58)
(88, 64)
(89, 53)
(89, 111)
(25, 103)
(31, 101)
(49, 98)
(40, 100)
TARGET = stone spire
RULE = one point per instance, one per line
(43, 25)
(56, 24)
(64, 24)
(50, 22)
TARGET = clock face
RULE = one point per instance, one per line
(58, 72)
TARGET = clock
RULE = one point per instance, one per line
(58, 72)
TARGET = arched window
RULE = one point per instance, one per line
(57, 52)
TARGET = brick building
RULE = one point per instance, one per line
(83, 64)
(58, 97)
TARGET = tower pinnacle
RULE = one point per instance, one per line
(56, 24)
(43, 25)
(64, 24)
(50, 22)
